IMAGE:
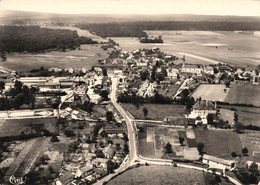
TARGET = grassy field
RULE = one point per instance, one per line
(155, 111)
(86, 57)
(244, 94)
(13, 127)
(246, 115)
(154, 175)
(219, 143)
(223, 46)
(211, 92)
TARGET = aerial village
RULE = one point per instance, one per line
(88, 138)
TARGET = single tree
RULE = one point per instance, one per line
(110, 166)
(126, 149)
(181, 140)
(54, 138)
(145, 111)
(2, 85)
(104, 95)
(168, 148)
(227, 84)
(200, 147)
(109, 116)
(233, 154)
(245, 150)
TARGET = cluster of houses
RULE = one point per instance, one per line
(90, 161)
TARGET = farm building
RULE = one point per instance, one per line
(215, 162)
(201, 109)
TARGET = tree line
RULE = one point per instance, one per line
(136, 29)
(35, 39)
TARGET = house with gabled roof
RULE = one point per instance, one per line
(215, 162)
(201, 109)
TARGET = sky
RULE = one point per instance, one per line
(202, 7)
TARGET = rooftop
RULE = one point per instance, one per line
(218, 160)
(204, 105)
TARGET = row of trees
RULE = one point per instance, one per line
(157, 98)
(35, 38)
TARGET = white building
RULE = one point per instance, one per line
(215, 162)
(194, 69)
(201, 109)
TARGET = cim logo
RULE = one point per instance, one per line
(16, 181)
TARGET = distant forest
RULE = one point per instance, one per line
(136, 29)
(35, 38)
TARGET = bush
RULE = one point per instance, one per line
(69, 133)
(54, 138)
(233, 154)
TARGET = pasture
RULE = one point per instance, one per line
(221, 46)
(219, 143)
(244, 94)
(211, 92)
(155, 111)
(154, 175)
(246, 115)
(85, 57)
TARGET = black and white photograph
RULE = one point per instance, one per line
(129, 92)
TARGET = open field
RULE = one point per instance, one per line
(219, 143)
(81, 33)
(211, 92)
(153, 140)
(246, 115)
(159, 175)
(251, 140)
(244, 94)
(13, 127)
(222, 46)
(86, 57)
(155, 111)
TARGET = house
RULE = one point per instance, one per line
(201, 109)
(86, 171)
(99, 172)
(109, 151)
(81, 90)
(101, 162)
(209, 70)
(66, 83)
(54, 69)
(172, 73)
(194, 69)
(215, 162)
(66, 178)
